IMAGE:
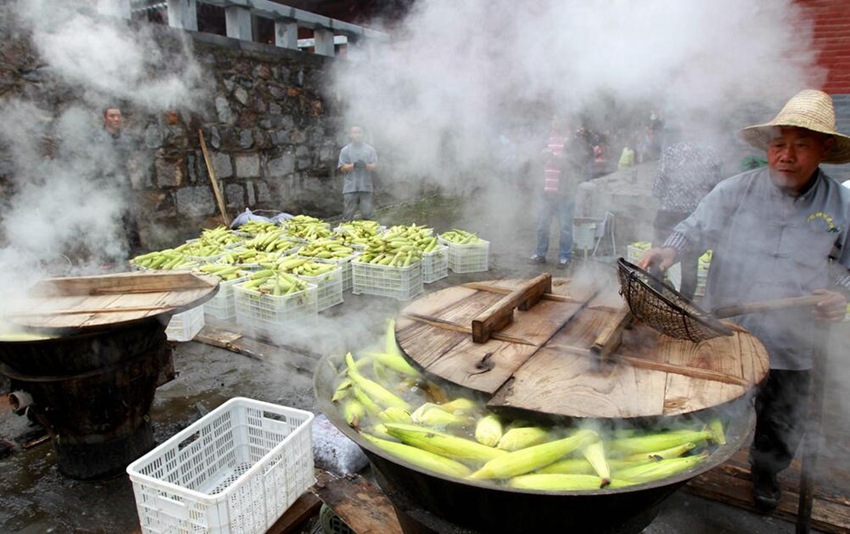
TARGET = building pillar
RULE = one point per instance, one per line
(286, 33)
(183, 14)
(324, 40)
(238, 20)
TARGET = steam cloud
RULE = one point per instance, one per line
(458, 73)
(59, 203)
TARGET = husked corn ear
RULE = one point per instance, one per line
(442, 443)
(433, 415)
(394, 414)
(421, 458)
(656, 442)
(460, 404)
(717, 434)
(488, 430)
(580, 466)
(520, 438)
(533, 458)
(378, 392)
(660, 469)
(353, 411)
(594, 453)
(557, 482)
(672, 452)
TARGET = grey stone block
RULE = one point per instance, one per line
(223, 111)
(246, 139)
(223, 166)
(247, 165)
(195, 201)
(235, 195)
(279, 167)
(169, 172)
(264, 195)
(153, 136)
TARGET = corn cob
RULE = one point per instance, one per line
(460, 237)
(580, 466)
(557, 482)
(372, 388)
(660, 469)
(460, 405)
(353, 412)
(657, 442)
(442, 443)
(258, 227)
(342, 390)
(380, 431)
(432, 415)
(394, 415)
(533, 458)
(370, 405)
(594, 453)
(672, 452)
(421, 458)
(717, 434)
(520, 438)
(488, 431)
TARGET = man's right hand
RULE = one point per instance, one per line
(663, 258)
(360, 164)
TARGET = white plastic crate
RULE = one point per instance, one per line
(185, 326)
(472, 258)
(222, 307)
(236, 470)
(402, 283)
(345, 263)
(328, 288)
(270, 315)
(435, 264)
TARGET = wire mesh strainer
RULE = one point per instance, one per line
(665, 309)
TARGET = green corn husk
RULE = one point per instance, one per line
(533, 458)
(657, 442)
(380, 431)
(442, 443)
(460, 405)
(658, 470)
(341, 390)
(672, 452)
(488, 430)
(717, 434)
(354, 412)
(371, 407)
(580, 466)
(557, 482)
(594, 453)
(521, 438)
(394, 415)
(433, 415)
(421, 458)
(376, 391)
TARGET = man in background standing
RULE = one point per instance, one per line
(687, 173)
(357, 162)
(562, 172)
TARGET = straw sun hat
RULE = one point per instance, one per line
(808, 109)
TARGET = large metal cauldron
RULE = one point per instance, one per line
(93, 392)
(430, 502)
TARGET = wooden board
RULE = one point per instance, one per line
(95, 301)
(542, 361)
(359, 503)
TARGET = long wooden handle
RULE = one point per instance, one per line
(213, 179)
(501, 313)
(769, 305)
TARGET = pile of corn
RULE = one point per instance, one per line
(304, 267)
(394, 407)
(306, 227)
(357, 232)
(164, 260)
(220, 236)
(328, 249)
(258, 227)
(460, 237)
(249, 256)
(273, 241)
(274, 282)
(224, 272)
(397, 252)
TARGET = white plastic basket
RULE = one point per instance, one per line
(345, 263)
(236, 470)
(402, 283)
(472, 258)
(222, 307)
(328, 288)
(185, 326)
(435, 264)
(270, 315)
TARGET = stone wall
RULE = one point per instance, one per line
(272, 129)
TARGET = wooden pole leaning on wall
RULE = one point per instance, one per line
(213, 180)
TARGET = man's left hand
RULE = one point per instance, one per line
(832, 308)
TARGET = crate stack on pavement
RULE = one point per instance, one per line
(280, 276)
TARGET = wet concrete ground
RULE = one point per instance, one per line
(37, 499)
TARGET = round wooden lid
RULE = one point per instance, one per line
(542, 362)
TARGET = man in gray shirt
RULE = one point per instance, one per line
(778, 231)
(357, 161)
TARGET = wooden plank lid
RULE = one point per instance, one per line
(544, 357)
(88, 302)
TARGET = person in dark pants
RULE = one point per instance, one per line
(357, 162)
(562, 172)
(687, 172)
(777, 232)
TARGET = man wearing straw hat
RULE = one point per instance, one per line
(777, 231)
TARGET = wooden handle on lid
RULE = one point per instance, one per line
(768, 305)
(501, 313)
